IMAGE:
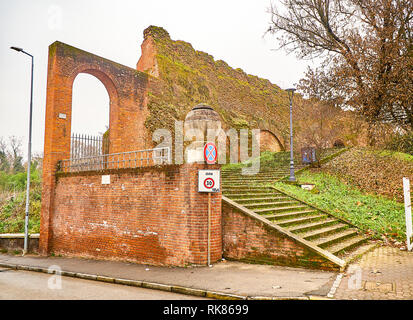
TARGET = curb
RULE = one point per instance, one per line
(153, 285)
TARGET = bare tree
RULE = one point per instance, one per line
(367, 49)
(16, 154)
(320, 126)
(4, 161)
(37, 161)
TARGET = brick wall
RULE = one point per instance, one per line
(148, 215)
(127, 90)
(250, 240)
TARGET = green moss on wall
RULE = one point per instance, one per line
(190, 77)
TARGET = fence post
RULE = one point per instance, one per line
(408, 212)
(169, 155)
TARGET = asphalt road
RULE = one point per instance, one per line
(26, 285)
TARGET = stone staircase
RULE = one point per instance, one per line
(323, 230)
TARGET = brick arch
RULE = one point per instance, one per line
(107, 80)
(270, 142)
(127, 89)
(111, 88)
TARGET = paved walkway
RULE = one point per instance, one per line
(234, 278)
(385, 273)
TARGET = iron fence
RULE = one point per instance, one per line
(132, 159)
(82, 146)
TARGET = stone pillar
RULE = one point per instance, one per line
(205, 124)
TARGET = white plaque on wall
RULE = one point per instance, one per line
(106, 179)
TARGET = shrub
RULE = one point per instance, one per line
(401, 143)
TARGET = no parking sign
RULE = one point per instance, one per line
(210, 153)
(208, 180)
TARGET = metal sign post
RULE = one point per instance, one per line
(209, 229)
(408, 212)
(209, 181)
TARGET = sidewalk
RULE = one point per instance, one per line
(224, 280)
(386, 273)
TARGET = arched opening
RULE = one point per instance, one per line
(270, 142)
(90, 117)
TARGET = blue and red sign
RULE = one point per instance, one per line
(210, 153)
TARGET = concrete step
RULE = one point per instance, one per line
(358, 252)
(280, 209)
(249, 182)
(251, 194)
(269, 171)
(346, 246)
(312, 225)
(247, 191)
(248, 187)
(298, 221)
(331, 239)
(269, 204)
(231, 179)
(322, 230)
(258, 199)
(290, 215)
(246, 184)
(237, 195)
(245, 178)
(257, 176)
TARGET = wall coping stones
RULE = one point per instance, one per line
(18, 236)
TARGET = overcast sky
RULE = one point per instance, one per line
(231, 30)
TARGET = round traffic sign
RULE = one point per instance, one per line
(209, 183)
(210, 153)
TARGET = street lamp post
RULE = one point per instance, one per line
(26, 218)
(290, 96)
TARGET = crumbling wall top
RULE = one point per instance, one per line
(156, 33)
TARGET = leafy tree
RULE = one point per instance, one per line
(367, 51)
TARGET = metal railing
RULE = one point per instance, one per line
(82, 146)
(132, 159)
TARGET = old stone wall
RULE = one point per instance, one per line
(188, 77)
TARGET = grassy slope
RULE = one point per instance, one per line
(371, 212)
(362, 186)
(373, 171)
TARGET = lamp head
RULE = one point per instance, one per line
(290, 90)
(17, 49)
